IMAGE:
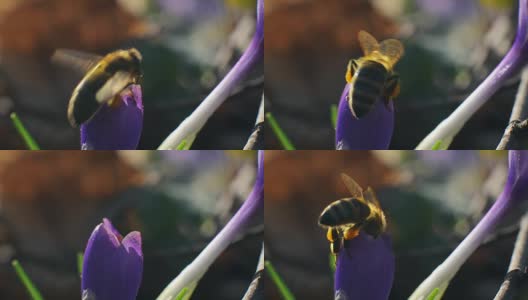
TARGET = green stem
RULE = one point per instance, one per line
(30, 141)
(283, 289)
(80, 259)
(333, 115)
(281, 135)
(33, 292)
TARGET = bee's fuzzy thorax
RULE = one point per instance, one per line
(379, 58)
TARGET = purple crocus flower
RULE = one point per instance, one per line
(113, 265)
(190, 10)
(253, 208)
(197, 119)
(447, 161)
(364, 269)
(193, 160)
(513, 194)
(373, 131)
(117, 126)
(514, 60)
(448, 9)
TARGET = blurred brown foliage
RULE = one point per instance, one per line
(40, 26)
(68, 176)
(321, 25)
(291, 173)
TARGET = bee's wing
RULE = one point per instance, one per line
(392, 49)
(367, 42)
(375, 207)
(113, 86)
(352, 186)
(370, 197)
(78, 61)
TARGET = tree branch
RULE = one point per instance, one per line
(517, 269)
(258, 275)
(253, 138)
(518, 125)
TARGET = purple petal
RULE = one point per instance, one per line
(190, 10)
(112, 268)
(260, 19)
(448, 9)
(190, 160)
(373, 131)
(518, 175)
(115, 128)
(365, 268)
(448, 161)
(260, 167)
(515, 190)
(107, 225)
(522, 23)
(253, 207)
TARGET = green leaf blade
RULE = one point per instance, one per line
(281, 135)
(275, 277)
(26, 136)
(30, 287)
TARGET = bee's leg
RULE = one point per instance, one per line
(351, 69)
(392, 88)
(336, 241)
(336, 246)
(350, 233)
(115, 102)
(332, 234)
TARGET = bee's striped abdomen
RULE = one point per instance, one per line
(367, 87)
(344, 211)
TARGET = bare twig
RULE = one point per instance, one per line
(258, 275)
(518, 123)
(257, 129)
(517, 268)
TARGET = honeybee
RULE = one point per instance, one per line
(104, 79)
(344, 218)
(371, 77)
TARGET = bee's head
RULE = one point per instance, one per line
(135, 55)
(374, 227)
(135, 58)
